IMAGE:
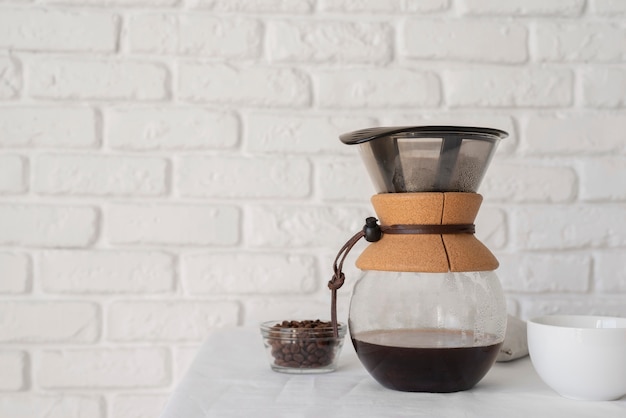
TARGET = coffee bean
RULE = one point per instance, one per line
(297, 344)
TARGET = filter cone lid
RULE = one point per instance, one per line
(368, 134)
(426, 158)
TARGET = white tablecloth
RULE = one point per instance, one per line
(231, 377)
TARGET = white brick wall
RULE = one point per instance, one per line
(51, 30)
(509, 87)
(14, 405)
(47, 225)
(15, 272)
(377, 88)
(323, 41)
(49, 321)
(228, 84)
(439, 40)
(105, 271)
(63, 127)
(564, 8)
(110, 175)
(170, 128)
(172, 166)
(138, 406)
(96, 79)
(13, 365)
(103, 368)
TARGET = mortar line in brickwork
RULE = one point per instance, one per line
(120, 29)
(99, 129)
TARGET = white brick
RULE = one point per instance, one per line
(51, 30)
(138, 406)
(195, 34)
(579, 42)
(168, 320)
(577, 305)
(308, 134)
(14, 273)
(461, 118)
(602, 179)
(153, 33)
(573, 133)
(99, 175)
(172, 224)
(260, 177)
(76, 78)
(12, 174)
(106, 272)
(250, 86)
(329, 41)
(545, 273)
(564, 227)
(10, 78)
(170, 128)
(343, 180)
(608, 7)
(388, 6)
(63, 127)
(47, 226)
(377, 88)
(426, 5)
(302, 226)
(491, 227)
(609, 273)
(234, 38)
(522, 7)
(103, 368)
(528, 182)
(123, 3)
(257, 6)
(426, 39)
(248, 273)
(29, 405)
(509, 87)
(39, 322)
(604, 87)
(362, 6)
(12, 364)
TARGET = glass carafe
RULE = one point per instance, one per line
(427, 332)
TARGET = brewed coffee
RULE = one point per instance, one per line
(413, 360)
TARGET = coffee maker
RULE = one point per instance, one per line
(428, 313)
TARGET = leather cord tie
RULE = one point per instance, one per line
(373, 232)
(429, 229)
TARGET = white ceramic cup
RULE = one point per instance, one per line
(580, 357)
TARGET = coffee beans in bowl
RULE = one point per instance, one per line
(306, 346)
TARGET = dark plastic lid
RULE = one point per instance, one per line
(368, 134)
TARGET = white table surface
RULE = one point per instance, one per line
(231, 377)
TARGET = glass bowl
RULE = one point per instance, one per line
(299, 347)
